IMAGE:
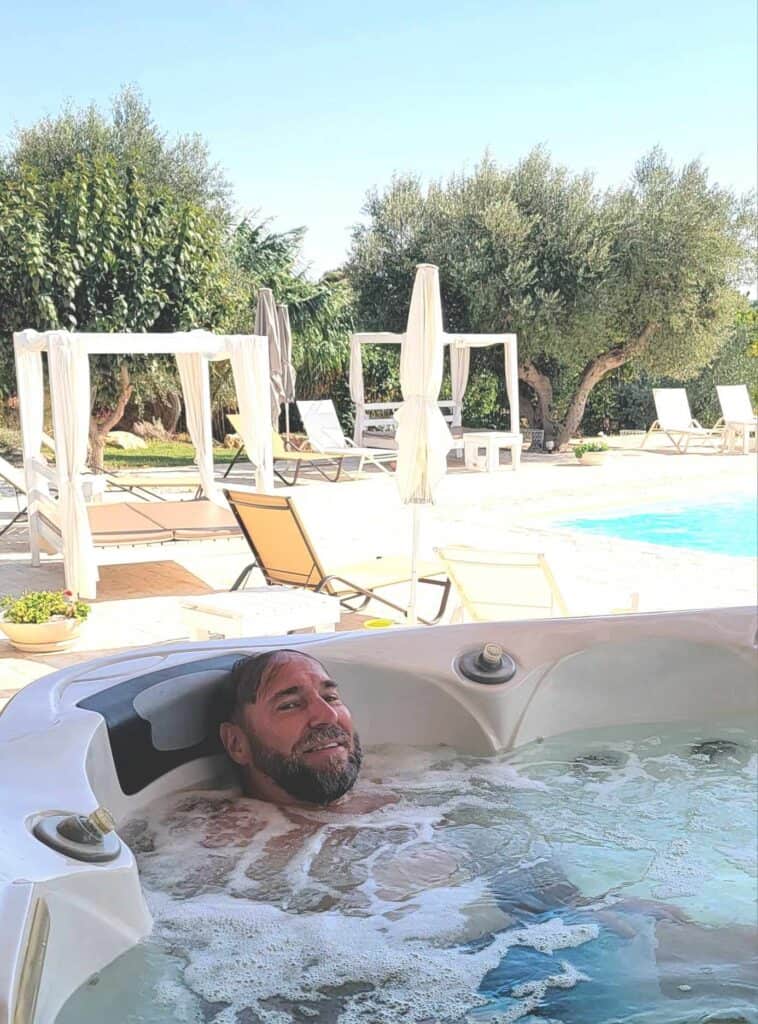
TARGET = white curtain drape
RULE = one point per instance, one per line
(511, 385)
(460, 361)
(196, 389)
(356, 371)
(267, 325)
(71, 402)
(250, 368)
(30, 384)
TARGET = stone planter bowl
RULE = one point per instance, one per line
(42, 637)
(593, 458)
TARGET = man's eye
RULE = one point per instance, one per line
(333, 698)
(287, 706)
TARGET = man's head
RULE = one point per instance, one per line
(288, 731)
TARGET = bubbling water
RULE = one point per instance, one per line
(450, 889)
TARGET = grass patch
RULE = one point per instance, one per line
(161, 453)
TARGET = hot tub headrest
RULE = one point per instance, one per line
(163, 719)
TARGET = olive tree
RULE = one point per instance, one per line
(589, 280)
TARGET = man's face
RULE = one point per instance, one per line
(297, 739)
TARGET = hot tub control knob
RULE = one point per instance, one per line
(89, 837)
(489, 665)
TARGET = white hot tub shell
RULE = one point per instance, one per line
(122, 731)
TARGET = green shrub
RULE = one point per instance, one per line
(590, 446)
(42, 606)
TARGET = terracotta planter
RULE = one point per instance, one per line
(593, 458)
(42, 637)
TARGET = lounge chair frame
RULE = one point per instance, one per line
(300, 459)
(314, 577)
(14, 478)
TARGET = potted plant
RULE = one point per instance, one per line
(591, 453)
(42, 621)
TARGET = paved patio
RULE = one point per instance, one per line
(141, 588)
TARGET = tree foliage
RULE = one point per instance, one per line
(589, 280)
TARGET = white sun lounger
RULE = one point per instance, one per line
(325, 435)
(496, 586)
(676, 421)
(737, 415)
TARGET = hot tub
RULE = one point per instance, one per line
(121, 732)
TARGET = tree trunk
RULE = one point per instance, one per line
(593, 373)
(174, 403)
(543, 389)
(101, 423)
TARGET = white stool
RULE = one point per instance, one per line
(491, 441)
(261, 611)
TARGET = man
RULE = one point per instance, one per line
(285, 727)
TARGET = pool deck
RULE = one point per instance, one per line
(141, 588)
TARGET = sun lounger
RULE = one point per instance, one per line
(148, 485)
(295, 458)
(15, 478)
(677, 422)
(285, 555)
(738, 418)
(494, 586)
(325, 435)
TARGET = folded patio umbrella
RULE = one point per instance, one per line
(267, 323)
(423, 438)
(288, 369)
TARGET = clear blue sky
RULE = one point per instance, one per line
(306, 105)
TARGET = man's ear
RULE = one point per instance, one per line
(235, 742)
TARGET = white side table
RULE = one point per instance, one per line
(481, 449)
(260, 611)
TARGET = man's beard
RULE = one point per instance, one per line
(303, 781)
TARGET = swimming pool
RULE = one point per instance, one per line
(725, 527)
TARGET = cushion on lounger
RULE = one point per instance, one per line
(190, 520)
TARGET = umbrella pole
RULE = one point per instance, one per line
(287, 420)
(411, 615)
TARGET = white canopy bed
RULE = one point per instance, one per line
(63, 523)
(374, 421)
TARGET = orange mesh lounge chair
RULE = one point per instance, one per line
(285, 555)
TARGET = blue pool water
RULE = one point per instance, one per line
(726, 527)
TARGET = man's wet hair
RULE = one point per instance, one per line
(245, 680)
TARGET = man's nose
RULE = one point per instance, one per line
(321, 712)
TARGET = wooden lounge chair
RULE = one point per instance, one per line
(494, 586)
(677, 422)
(15, 478)
(295, 457)
(325, 435)
(285, 555)
(738, 418)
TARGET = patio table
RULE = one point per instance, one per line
(490, 442)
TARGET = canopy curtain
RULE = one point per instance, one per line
(267, 326)
(357, 391)
(30, 383)
(250, 369)
(511, 387)
(460, 360)
(193, 373)
(71, 401)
